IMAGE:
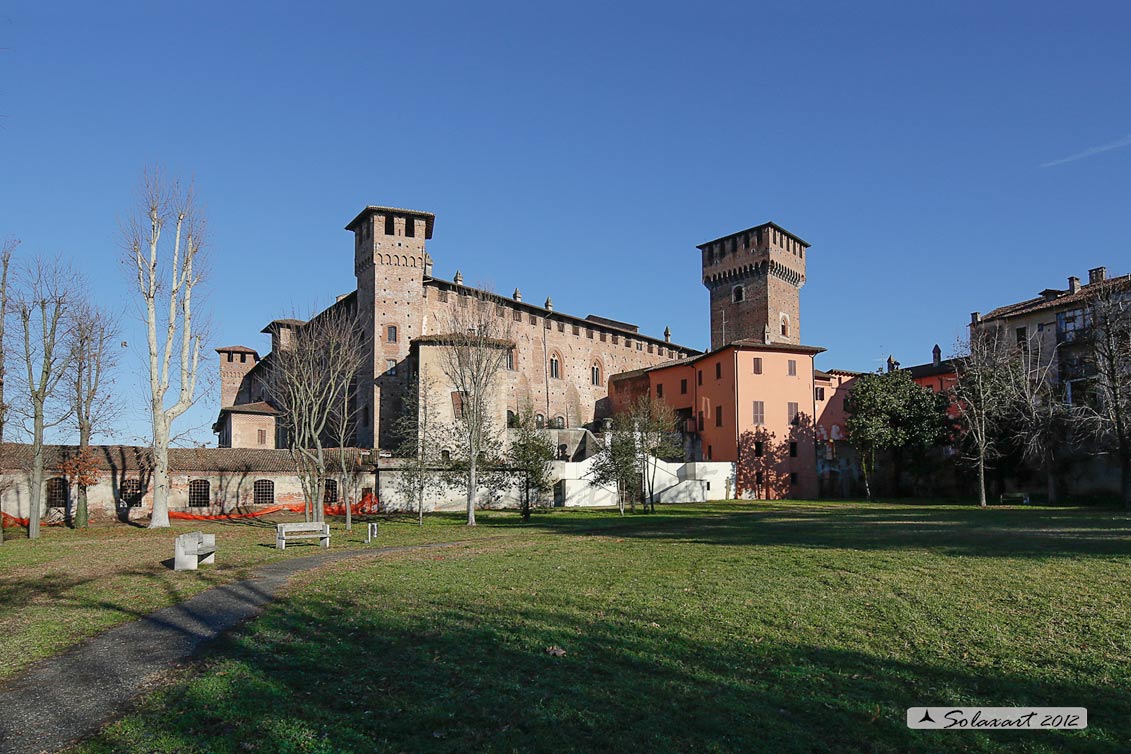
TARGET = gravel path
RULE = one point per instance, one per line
(62, 699)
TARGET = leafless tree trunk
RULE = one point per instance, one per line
(309, 379)
(475, 343)
(43, 306)
(419, 434)
(5, 260)
(92, 360)
(1109, 407)
(1039, 420)
(343, 421)
(981, 393)
(167, 287)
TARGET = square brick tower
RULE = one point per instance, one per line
(390, 262)
(755, 278)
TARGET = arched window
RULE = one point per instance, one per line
(595, 374)
(556, 367)
(330, 492)
(738, 294)
(264, 492)
(559, 422)
(57, 492)
(510, 359)
(446, 456)
(785, 326)
(512, 419)
(199, 492)
(539, 421)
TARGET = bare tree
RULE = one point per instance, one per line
(90, 379)
(343, 428)
(654, 424)
(420, 436)
(309, 379)
(1038, 420)
(1108, 408)
(5, 260)
(475, 344)
(982, 395)
(166, 287)
(616, 461)
(43, 306)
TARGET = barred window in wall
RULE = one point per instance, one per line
(199, 492)
(330, 492)
(131, 493)
(57, 489)
(263, 493)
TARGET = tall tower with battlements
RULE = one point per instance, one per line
(390, 262)
(754, 278)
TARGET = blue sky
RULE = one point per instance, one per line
(941, 158)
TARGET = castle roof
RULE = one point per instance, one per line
(429, 217)
(770, 224)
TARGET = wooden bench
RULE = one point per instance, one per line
(313, 530)
(1015, 497)
(193, 548)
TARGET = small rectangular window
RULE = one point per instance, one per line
(390, 366)
(757, 365)
(759, 412)
(683, 386)
(793, 450)
(791, 412)
(262, 436)
(518, 316)
(820, 393)
(718, 416)
(699, 422)
(391, 334)
(759, 449)
(699, 376)
(659, 391)
(718, 370)
(792, 368)
(793, 477)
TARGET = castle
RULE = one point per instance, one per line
(561, 365)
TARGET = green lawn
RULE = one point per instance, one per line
(789, 627)
(72, 584)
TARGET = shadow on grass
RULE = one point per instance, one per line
(338, 676)
(1000, 532)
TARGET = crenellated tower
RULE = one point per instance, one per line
(754, 278)
(390, 262)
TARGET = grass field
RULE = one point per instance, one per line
(71, 584)
(727, 628)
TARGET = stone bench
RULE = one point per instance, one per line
(193, 548)
(314, 530)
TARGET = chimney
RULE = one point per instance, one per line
(517, 295)
(892, 363)
(458, 278)
(1097, 275)
(667, 335)
(1073, 284)
(975, 318)
(936, 354)
(549, 304)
